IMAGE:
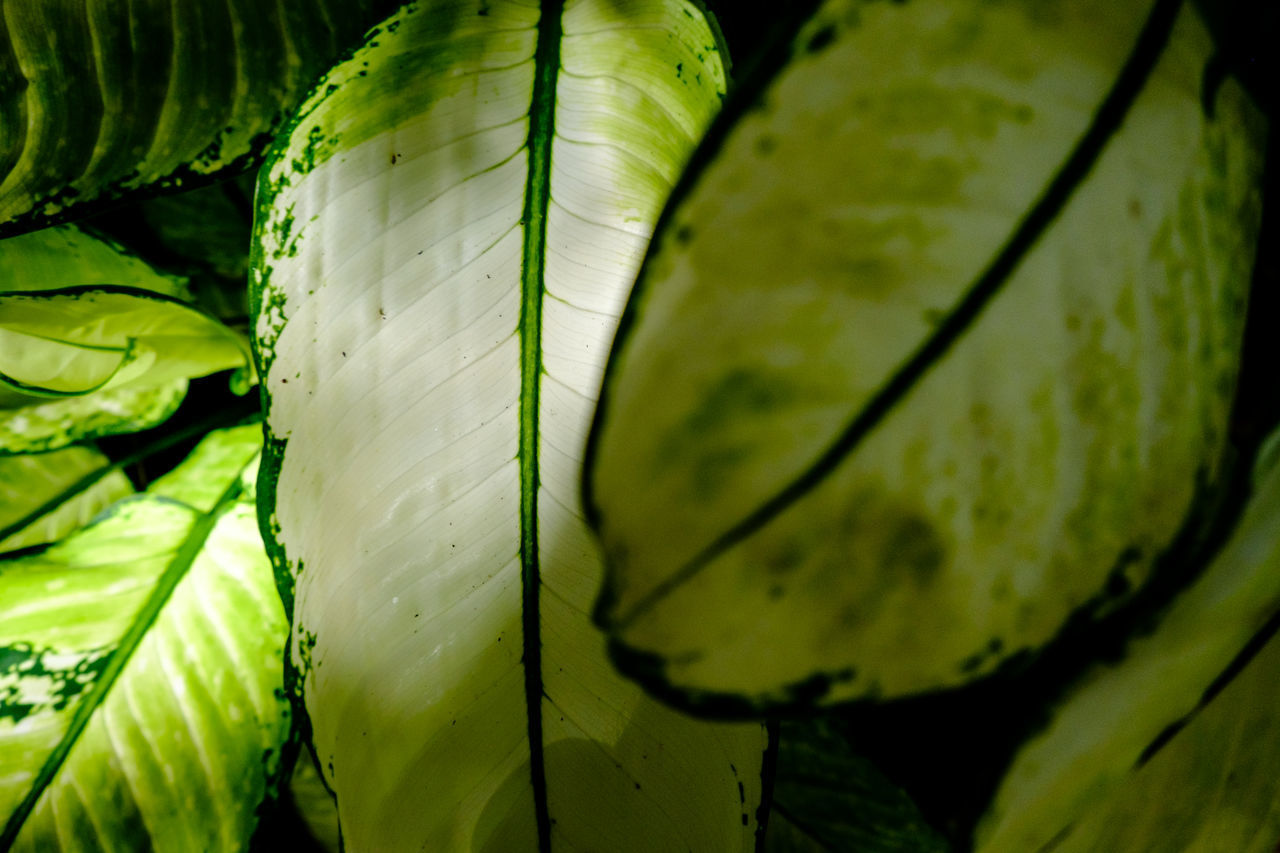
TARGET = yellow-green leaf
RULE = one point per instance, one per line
(934, 351)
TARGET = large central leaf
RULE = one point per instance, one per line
(444, 247)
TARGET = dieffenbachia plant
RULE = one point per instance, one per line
(932, 355)
(444, 243)
(95, 342)
(141, 704)
(100, 99)
(1174, 746)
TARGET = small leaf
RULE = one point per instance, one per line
(140, 698)
(29, 481)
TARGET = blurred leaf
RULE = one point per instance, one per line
(28, 481)
(828, 798)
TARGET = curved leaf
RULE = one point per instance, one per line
(75, 341)
(140, 700)
(926, 360)
(48, 424)
(445, 244)
(99, 99)
(28, 481)
(1103, 747)
(66, 256)
(33, 269)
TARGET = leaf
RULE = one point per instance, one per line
(826, 797)
(49, 424)
(314, 804)
(934, 351)
(1103, 747)
(140, 699)
(66, 256)
(75, 341)
(97, 100)
(28, 481)
(445, 243)
(1213, 787)
(33, 269)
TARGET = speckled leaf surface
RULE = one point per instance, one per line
(445, 244)
(140, 688)
(30, 481)
(97, 99)
(935, 349)
(1104, 775)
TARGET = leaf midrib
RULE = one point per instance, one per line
(143, 620)
(537, 199)
(1106, 121)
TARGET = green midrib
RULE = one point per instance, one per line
(533, 267)
(143, 620)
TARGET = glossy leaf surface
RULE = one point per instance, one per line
(444, 247)
(936, 343)
(140, 685)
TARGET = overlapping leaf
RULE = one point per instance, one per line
(934, 351)
(140, 687)
(1106, 755)
(98, 99)
(94, 341)
(30, 482)
(444, 247)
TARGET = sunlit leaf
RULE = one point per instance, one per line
(140, 685)
(34, 268)
(29, 481)
(445, 245)
(98, 99)
(934, 351)
(51, 423)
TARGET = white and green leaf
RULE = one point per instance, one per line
(38, 484)
(1104, 774)
(100, 99)
(140, 686)
(444, 245)
(934, 351)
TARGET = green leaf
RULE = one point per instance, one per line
(1212, 787)
(934, 351)
(140, 698)
(826, 797)
(75, 341)
(53, 273)
(49, 424)
(314, 804)
(66, 256)
(445, 243)
(1106, 749)
(101, 99)
(29, 481)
